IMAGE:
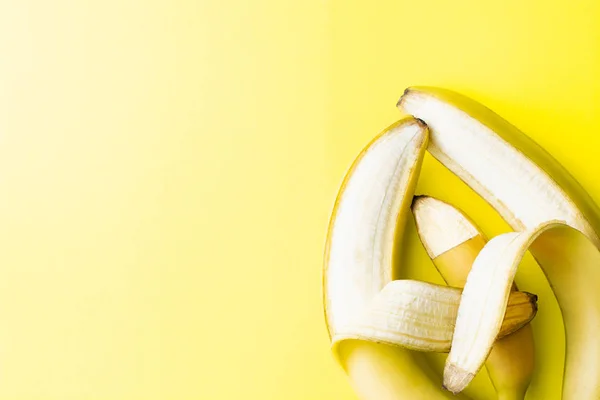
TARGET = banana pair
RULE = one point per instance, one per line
(375, 321)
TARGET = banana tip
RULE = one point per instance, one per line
(456, 378)
(406, 92)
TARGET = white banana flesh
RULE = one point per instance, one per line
(440, 226)
(504, 166)
(374, 198)
(558, 222)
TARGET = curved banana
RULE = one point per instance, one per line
(453, 241)
(366, 311)
(374, 199)
(530, 190)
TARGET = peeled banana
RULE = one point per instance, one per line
(551, 214)
(373, 201)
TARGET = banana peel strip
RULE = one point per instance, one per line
(421, 316)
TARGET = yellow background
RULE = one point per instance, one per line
(167, 169)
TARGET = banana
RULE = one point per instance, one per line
(453, 241)
(553, 216)
(374, 321)
(366, 224)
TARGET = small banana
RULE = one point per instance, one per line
(553, 216)
(453, 241)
